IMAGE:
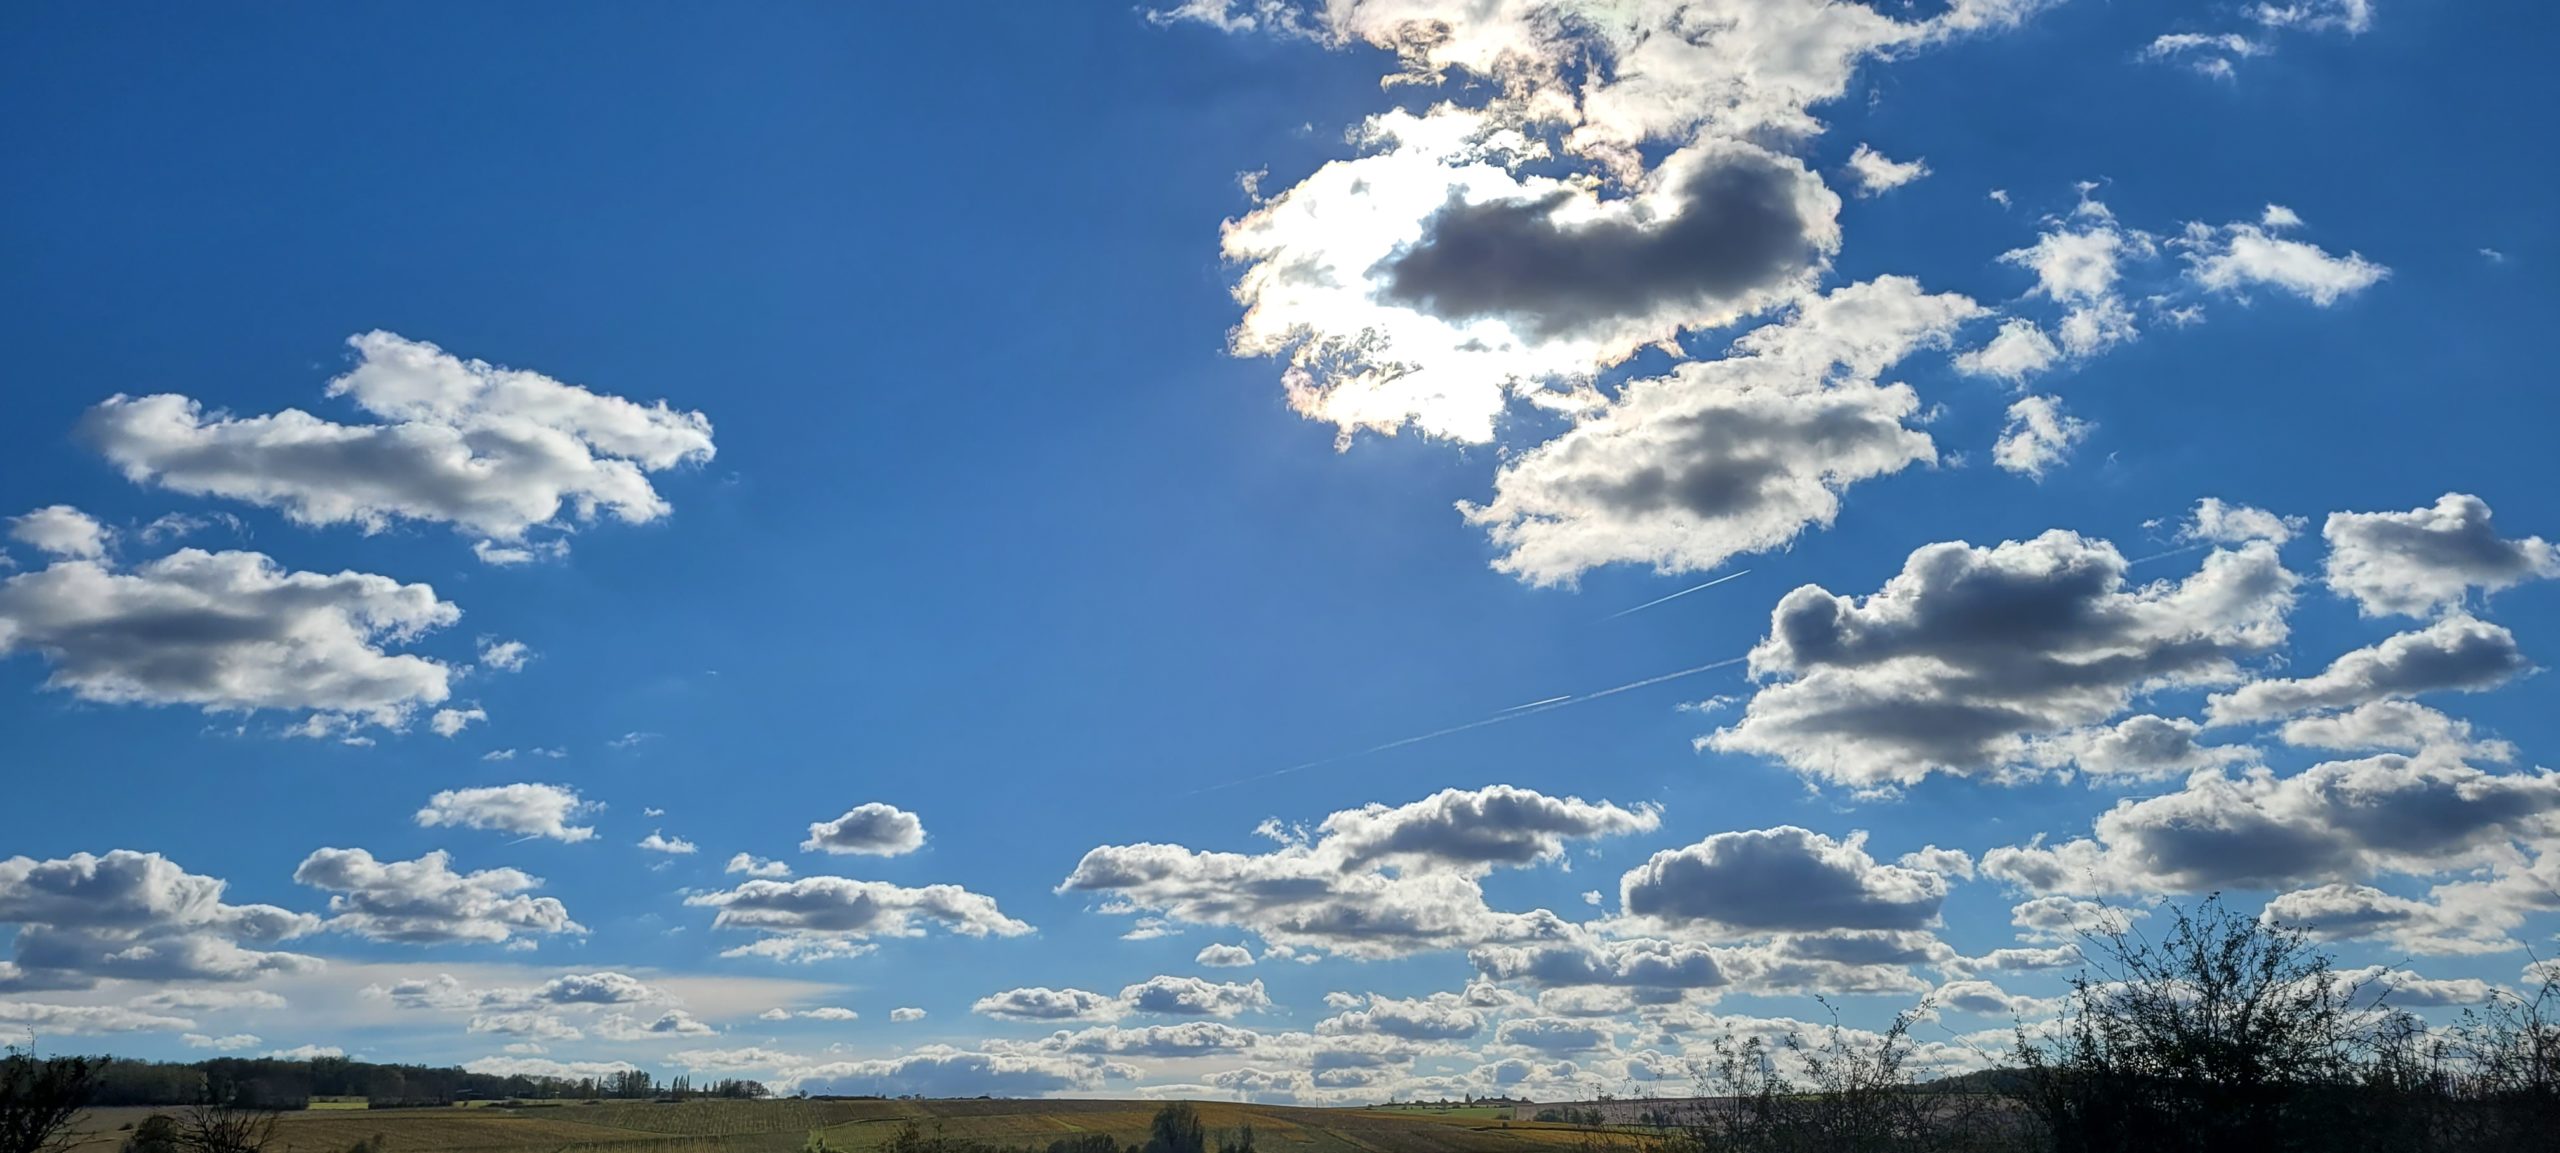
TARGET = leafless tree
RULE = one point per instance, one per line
(39, 1098)
(219, 1127)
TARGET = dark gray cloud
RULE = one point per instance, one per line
(134, 916)
(1970, 656)
(1654, 968)
(2458, 653)
(1784, 879)
(1741, 228)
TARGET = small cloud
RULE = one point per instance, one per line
(658, 842)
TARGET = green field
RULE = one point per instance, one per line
(782, 1126)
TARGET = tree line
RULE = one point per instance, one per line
(276, 1083)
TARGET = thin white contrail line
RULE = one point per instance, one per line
(1676, 596)
(2168, 554)
(1511, 714)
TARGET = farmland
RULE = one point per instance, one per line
(783, 1126)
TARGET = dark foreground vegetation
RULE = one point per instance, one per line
(2222, 1034)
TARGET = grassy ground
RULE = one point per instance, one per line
(782, 1127)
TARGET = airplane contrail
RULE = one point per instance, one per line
(1511, 714)
(1676, 596)
(2168, 554)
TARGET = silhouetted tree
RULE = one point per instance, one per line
(39, 1097)
(1177, 1129)
(222, 1127)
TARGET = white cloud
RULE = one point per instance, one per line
(830, 1013)
(2019, 350)
(529, 810)
(942, 1071)
(228, 1043)
(209, 1000)
(1374, 882)
(1728, 456)
(1043, 1004)
(2079, 264)
(1877, 175)
(2394, 725)
(2217, 522)
(504, 656)
(2342, 820)
(754, 866)
(451, 722)
(43, 1019)
(2428, 559)
(872, 829)
(905, 1013)
(2038, 437)
(1969, 655)
(229, 631)
(658, 842)
(2455, 654)
(493, 451)
(425, 902)
(1194, 997)
(136, 916)
(2236, 257)
(815, 917)
(61, 531)
(1224, 956)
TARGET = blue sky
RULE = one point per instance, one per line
(1079, 429)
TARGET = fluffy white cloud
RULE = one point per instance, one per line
(140, 917)
(1727, 456)
(2079, 264)
(753, 866)
(1224, 956)
(1194, 997)
(2428, 559)
(906, 1013)
(2240, 256)
(504, 656)
(658, 842)
(1782, 879)
(229, 631)
(2337, 821)
(493, 451)
(2038, 437)
(2019, 350)
(872, 829)
(2455, 654)
(1970, 654)
(816, 917)
(1438, 1017)
(62, 531)
(524, 809)
(451, 722)
(2216, 521)
(1042, 1004)
(1374, 882)
(1876, 174)
(425, 902)
(2397, 726)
